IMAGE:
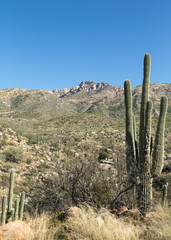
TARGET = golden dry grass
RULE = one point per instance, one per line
(42, 229)
(159, 226)
(89, 226)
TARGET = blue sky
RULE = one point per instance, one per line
(59, 43)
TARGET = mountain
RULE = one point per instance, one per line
(89, 96)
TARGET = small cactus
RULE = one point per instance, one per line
(21, 210)
(16, 209)
(4, 206)
(12, 214)
(10, 197)
(164, 194)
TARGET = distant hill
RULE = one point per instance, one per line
(89, 96)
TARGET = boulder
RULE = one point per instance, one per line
(103, 212)
(74, 212)
(151, 217)
(122, 210)
(17, 230)
(134, 213)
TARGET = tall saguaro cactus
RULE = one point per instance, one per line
(144, 162)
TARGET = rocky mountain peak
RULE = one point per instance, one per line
(85, 86)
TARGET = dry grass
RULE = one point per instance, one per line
(159, 226)
(42, 229)
(90, 226)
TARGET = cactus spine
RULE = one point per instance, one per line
(144, 162)
(4, 206)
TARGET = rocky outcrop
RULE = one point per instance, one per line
(17, 230)
(74, 212)
(87, 86)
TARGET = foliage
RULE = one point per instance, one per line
(14, 154)
(74, 182)
(103, 155)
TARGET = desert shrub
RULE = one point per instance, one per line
(13, 154)
(4, 180)
(103, 155)
(74, 182)
(2, 157)
(8, 165)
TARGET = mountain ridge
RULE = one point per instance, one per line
(87, 96)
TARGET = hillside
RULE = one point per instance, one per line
(50, 133)
(87, 97)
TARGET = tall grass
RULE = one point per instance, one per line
(90, 226)
(42, 228)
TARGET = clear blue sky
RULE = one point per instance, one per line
(59, 43)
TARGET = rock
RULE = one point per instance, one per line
(74, 212)
(134, 213)
(99, 221)
(17, 230)
(114, 211)
(151, 217)
(104, 166)
(122, 210)
(103, 212)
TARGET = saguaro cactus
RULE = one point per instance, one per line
(22, 199)
(16, 209)
(164, 194)
(12, 214)
(4, 206)
(145, 162)
(10, 197)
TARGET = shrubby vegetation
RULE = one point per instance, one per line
(74, 182)
(13, 154)
(87, 226)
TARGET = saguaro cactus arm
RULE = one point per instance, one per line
(144, 99)
(157, 159)
(130, 143)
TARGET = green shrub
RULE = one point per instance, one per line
(103, 155)
(8, 165)
(75, 181)
(13, 154)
